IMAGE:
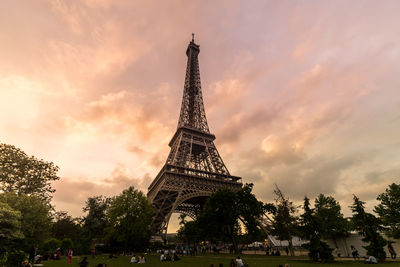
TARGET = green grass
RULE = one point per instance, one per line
(206, 260)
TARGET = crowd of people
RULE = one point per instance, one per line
(173, 255)
(168, 255)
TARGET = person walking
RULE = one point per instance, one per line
(354, 253)
(69, 257)
(93, 252)
(391, 251)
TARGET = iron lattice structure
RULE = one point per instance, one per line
(194, 169)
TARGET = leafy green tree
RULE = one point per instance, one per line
(35, 217)
(10, 227)
(284, 222)
(369, 227)
(50, 245)
(67, 243)
(389, 211)
(189, 232)
(65, 226)
(23, 174)
(310, 229)
(130, 217)
(95, 220)
(331, 221)
(219, 218)
(226, 211)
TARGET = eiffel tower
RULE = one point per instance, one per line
(194, 169)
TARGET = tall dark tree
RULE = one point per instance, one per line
(226, 211)
(65, 226)
(284, 221)
(332, 223)
(310, 229)
(95, 220)
(219, 218)
(130, 217)
(369, 227)
(189, 232)
(23, 174)
(389, 210)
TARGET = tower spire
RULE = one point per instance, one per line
(192, 110)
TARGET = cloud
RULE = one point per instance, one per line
(73, 193)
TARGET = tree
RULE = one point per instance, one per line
(310, 229)
(389, 211)
(50, 245)
(369, 227)
(95, 221)
(219, 218)
(35, 217)
(10, 227)
(226, 211)
(332, 223)
(189, 232)
(23, 174)
(67, 243)
(64, 226)
(284, 220)
(130, 217)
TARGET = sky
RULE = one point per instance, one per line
(302, 94)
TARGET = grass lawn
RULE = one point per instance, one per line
(206, 260)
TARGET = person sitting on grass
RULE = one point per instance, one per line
(162, 257)
(371, 260)
(26, 263)
(175, 257)
(84, 262)
(142, 259)
(239, 262)
(133, 259)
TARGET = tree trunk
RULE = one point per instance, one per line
(235, 247)
(291, 249)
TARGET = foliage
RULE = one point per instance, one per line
(67, 243)
(389, 211)
(15, 258)
(331, 221)
(50, 245)
(35, 217)
(95, 221)
(130, 216)
(10, 226)
(65, 226)
(284, 220)
(226, 211)
(369, 227)
(310, 229)
(189, 232)
(23, 174)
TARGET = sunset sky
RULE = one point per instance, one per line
(304, 94)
